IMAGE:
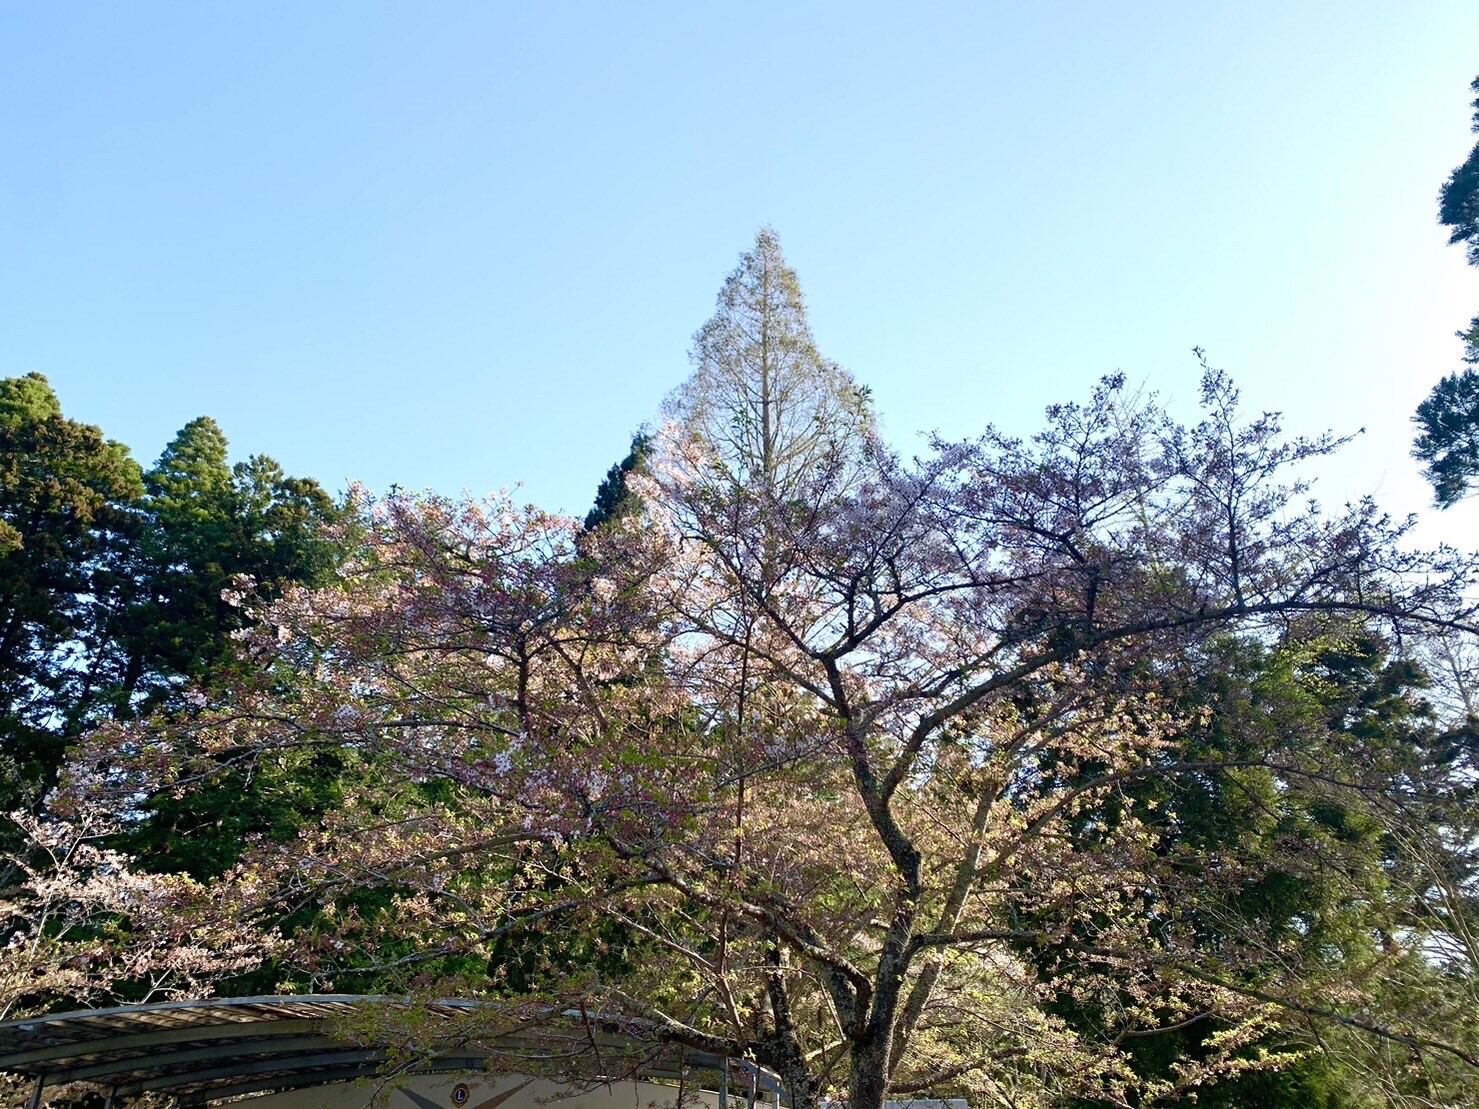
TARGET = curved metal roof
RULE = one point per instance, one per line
(202, 1051)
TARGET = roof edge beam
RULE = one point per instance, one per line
(209, 1053)
(184, 1033)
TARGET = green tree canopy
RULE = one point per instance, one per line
(68, 504)
(1447, 441)
(1447, 422)
(112, 582)
(1458, 202)
(209, 524)
(614, 499)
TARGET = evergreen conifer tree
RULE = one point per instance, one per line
(1447, 441)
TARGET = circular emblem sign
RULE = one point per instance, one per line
(460, 1094)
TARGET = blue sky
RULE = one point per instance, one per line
(465, 245)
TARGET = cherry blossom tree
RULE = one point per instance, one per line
(78, 919)
(837, 777)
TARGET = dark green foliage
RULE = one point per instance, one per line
(1447, 440)
(614, 501)
(111, 602)
(1279, 725)
(210, 523)
(68, 510)
(1458, 202)
(204, 832)
(1310, 1082)
(528, 961)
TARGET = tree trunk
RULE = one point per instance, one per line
(867, 1084)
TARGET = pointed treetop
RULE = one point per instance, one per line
(614, 500)
(194, 463)
(761, 397)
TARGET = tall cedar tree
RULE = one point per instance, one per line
(210, 526)
(615, 497)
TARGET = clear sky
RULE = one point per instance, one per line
(466, 245)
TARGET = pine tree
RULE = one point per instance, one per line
(1447, 440)
(1458, 202)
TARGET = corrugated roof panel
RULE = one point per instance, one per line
(203, 1050)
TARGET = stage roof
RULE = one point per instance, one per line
(202, 1051)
